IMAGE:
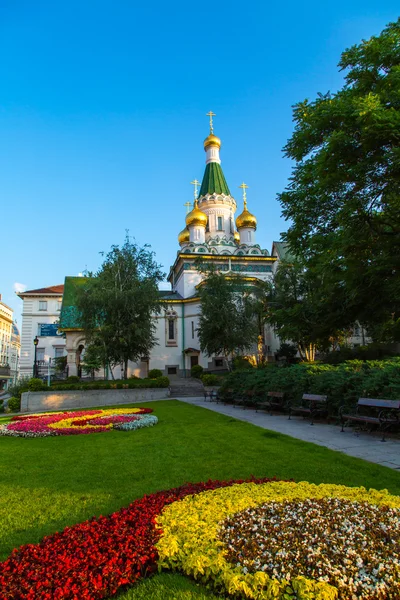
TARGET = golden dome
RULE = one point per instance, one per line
(212, 140)
(236, 237)
(196, 217)
(184, 236)
(246, 219)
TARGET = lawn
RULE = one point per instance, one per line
(49, 483)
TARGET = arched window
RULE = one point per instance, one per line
(171, 328)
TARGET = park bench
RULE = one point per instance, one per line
(226, 396)
(312, 405)
(248, 398)
(383, 414)
(274, 401)
(212, 395)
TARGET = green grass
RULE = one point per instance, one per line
(49, 483)
(168, 586)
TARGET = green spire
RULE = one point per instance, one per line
(214, 181)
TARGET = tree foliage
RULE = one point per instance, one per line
(228, 322)
(343, 199)
(300, 311)
(118, 304)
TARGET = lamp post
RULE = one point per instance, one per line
(35, 343)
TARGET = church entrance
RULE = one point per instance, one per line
(194, 360)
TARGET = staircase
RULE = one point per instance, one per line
(186, 388)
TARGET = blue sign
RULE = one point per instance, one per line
(49, 330)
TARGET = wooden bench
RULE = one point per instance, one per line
(247, 398)
(274, 401)
(312, 405)
(226, 396)
(212, 395)
(374, 412)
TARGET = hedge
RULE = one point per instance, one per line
(343, 384)
(160, 382)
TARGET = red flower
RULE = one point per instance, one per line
(96, 558)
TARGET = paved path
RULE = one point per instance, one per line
(366, 446)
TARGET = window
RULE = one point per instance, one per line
(40, 354)
(171, 370)
(207, 227)
(171, 329)
(219, 362)
(249, 236)
(192, 330)
(220, 225)
(59, 302)
(42, 304)
(58, 352)
(197, 234)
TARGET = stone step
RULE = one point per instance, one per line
(186, 387)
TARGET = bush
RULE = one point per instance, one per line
(14, 404)
(154, 373)
(343, 383)
(73, 379)
(162, 382)
(240, 362)
(17, 388)
(1, 407)
(209, 379)
(196, 371)
(35, 385)
(373, 351)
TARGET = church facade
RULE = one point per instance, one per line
(215, 234)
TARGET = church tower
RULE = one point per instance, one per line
(211, 233)
(215, 199)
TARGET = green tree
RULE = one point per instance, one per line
(94, 357)
(118, 304)
(300, 312)
(343, 199)
(228, 321)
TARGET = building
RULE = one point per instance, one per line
(40, 317)
(15, 351)
(6, 326)
(213, 233)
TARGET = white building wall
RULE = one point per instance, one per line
(32, 317)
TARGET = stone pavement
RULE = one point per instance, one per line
(366, 446)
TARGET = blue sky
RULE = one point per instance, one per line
(102, 117)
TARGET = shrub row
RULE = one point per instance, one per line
(343, 384)
(160, 382)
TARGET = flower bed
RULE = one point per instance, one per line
(259, 539)
(78, 422)
(283, 540)
(96, 558)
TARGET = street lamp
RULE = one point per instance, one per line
(35, 343)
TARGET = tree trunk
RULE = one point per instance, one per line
(125, 369)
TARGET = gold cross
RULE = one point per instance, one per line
(211, 115)
(195, 183)
(244, 187)
(188, 207)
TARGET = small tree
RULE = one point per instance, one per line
(118, 304)
(300, 311)
(228, 321)
(94, 358)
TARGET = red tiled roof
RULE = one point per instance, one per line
(53, 289)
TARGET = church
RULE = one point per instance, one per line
(214, 233)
